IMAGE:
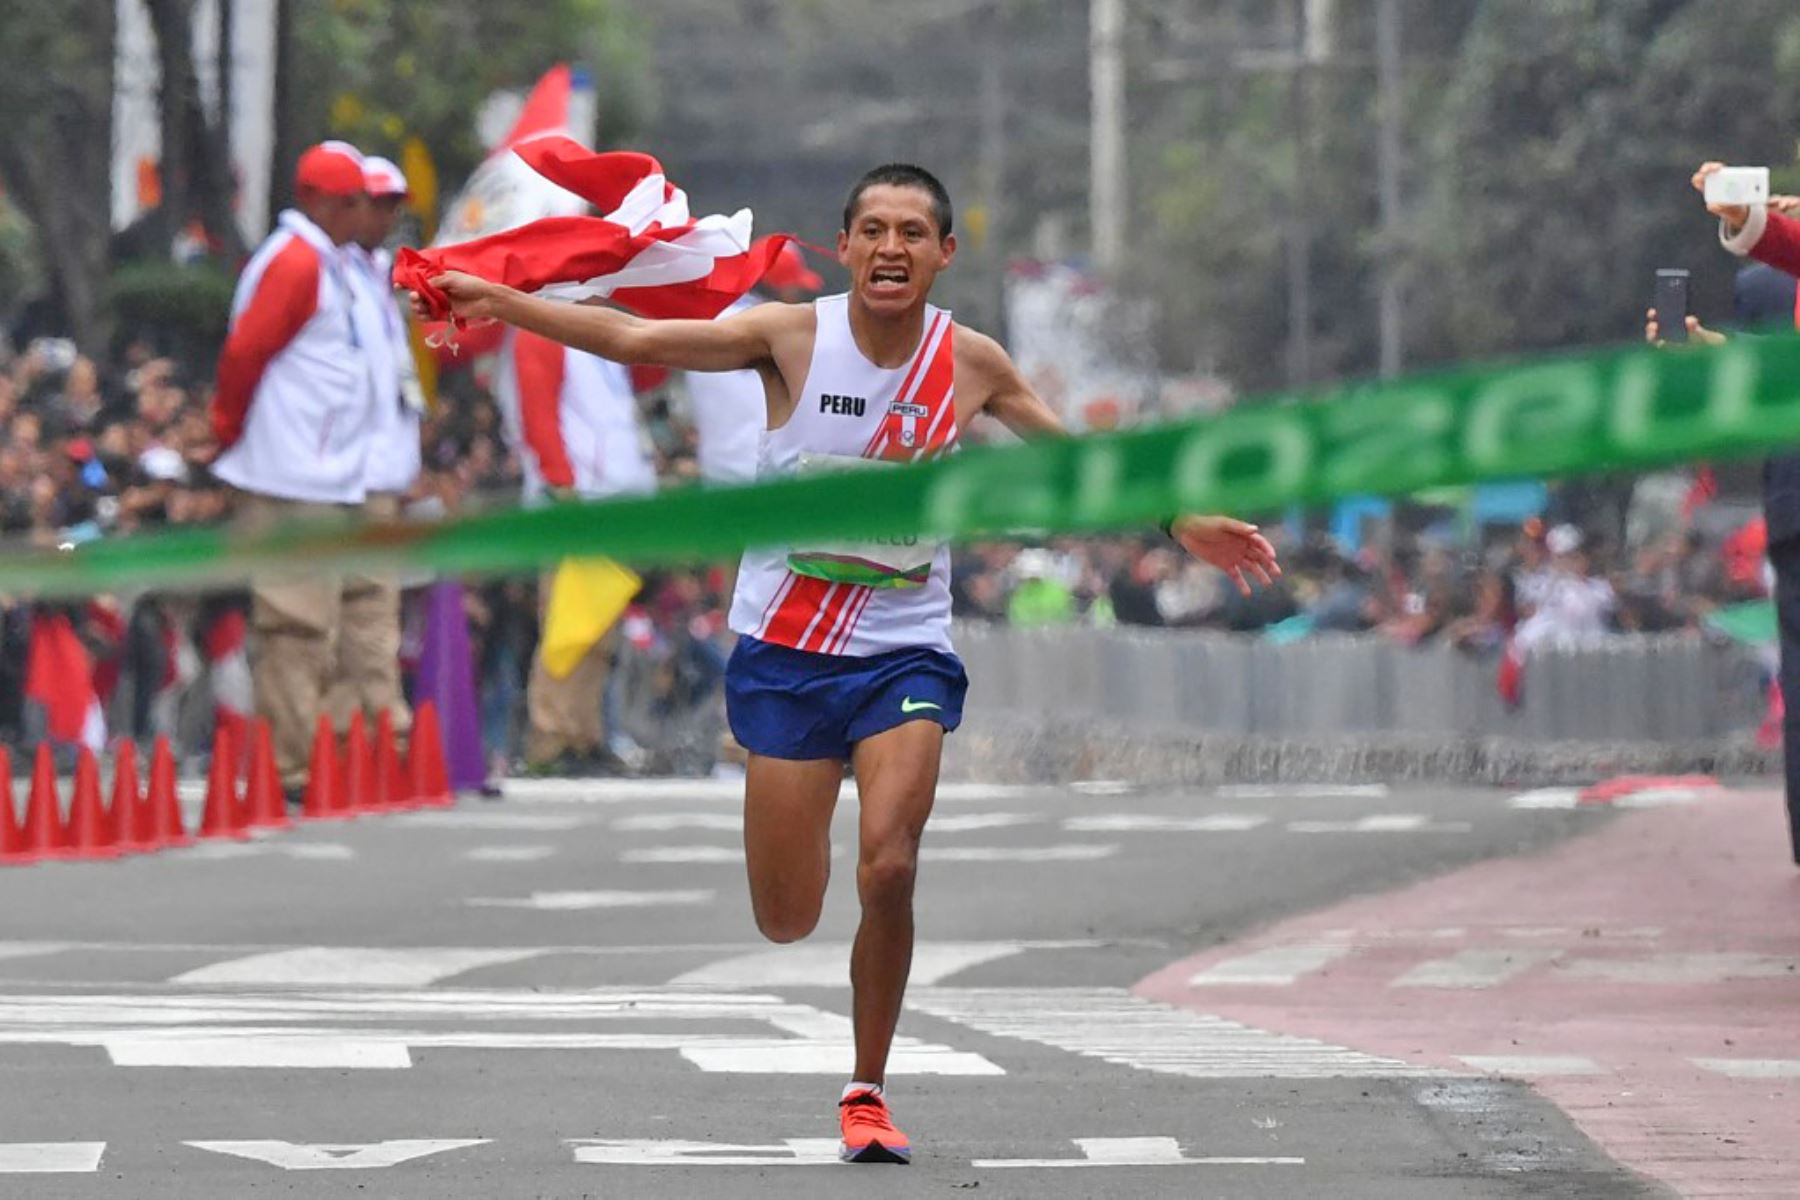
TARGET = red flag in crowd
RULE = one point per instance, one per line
(60, 677)
(648, 253)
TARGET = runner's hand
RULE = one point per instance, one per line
(1233, 546)
(470, 298)
(1696, 332)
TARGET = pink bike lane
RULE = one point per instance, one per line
(1644, 977)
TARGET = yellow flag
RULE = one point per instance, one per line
(586, 596)
(421, 184)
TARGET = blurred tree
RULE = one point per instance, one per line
(56, 146)
(375, 71)
(1560, 155)
(196, 148)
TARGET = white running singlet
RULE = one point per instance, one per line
(855, 409)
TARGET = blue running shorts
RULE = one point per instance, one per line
(795, 704)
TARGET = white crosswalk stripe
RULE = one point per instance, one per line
(50, 1158)
(827, 964)
(312, 966)
(1113, 1025)
(1151, 823)
(1476, 967)
(1275, 966)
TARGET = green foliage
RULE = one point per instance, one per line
(21, 269)
(188, 306)
(1548, 146)
(377, 71)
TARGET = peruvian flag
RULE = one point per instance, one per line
(648, 253)
(59, 675)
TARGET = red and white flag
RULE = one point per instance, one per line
(59, 676)
(648, 253)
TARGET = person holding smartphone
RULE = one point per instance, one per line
(1770, 235)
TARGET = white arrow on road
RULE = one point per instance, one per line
(338, 1156)
(791, 1152)
(50, 1158)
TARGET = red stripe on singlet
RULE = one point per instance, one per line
(829, 620)
(781, 590)
(796, 611)
(855, 616)
(938, 392)
(906, 386)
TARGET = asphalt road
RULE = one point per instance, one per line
(562, 995)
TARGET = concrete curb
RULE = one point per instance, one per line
(1020, 750)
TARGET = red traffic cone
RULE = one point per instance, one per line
(428, 780)
(45, 836)
(390, 783)
(223, 817)
(128, 812)
(12, 838)
(162, 805)
(323, 796)
(91, 834)
(359, 767)
(262, 792)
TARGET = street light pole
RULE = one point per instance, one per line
(1388, 167)
(1106, 185)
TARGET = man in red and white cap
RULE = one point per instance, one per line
(291, 414)
(728, 408)
(367, 671)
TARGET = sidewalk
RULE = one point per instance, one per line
(1646, 978)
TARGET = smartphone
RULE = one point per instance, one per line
(1738, 185)
(1671, 304)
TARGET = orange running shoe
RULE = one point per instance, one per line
(869, 1133)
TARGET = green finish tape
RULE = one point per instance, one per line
(1615, 410)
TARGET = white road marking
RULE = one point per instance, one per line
(1131, 1152)
(1274, 966)
(301, 851)
(583, 901)
(280, 1053)
(666, 791)
(790, 1152)
(1150, 823)
(1547, 798)
(32, 949)
(684, 854)
(531, 822)
(509, 853)
(667, 822)
(384, 1028)
(358, 966)
(50, 1158)
(1062, 852)
(1103, 787)
(339, 1156)
(1303, 791)
(1717, 967)
(1382, 823)
(1751, 1068)
(971, 822)
(1532, 1065)
(1476, 968)
(827, 964)
(1114, 1026)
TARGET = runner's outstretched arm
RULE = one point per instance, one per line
(734, 343)
(1235, 547)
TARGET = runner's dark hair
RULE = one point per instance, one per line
(904, 175)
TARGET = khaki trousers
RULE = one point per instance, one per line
(563, 715)
(294, 625)
(365, 671)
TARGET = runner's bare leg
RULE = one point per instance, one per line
(787, 841)
(896, 777)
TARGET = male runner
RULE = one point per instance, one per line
(847, 657)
